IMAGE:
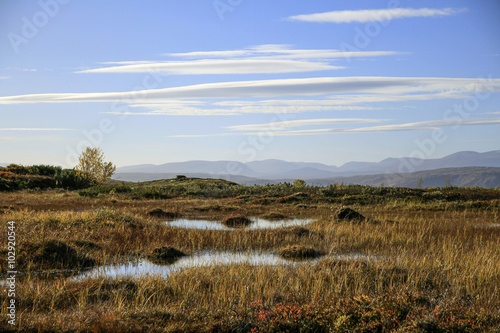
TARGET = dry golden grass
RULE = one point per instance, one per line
(447, 255)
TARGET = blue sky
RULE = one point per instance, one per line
(316, 81)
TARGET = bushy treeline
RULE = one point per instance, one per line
(19, 177)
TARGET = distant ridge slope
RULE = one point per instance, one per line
(487, 177)
(277, 169)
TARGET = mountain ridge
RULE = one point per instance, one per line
(276, 169)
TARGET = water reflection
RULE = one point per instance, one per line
(145, 267)
(257, 223)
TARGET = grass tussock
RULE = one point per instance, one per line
(299, 252)
(165, 255)
(349, 214)
(51, 254)
(236, 221)
(431, 263)
(161, 214)
(275, 216)
(293, 232)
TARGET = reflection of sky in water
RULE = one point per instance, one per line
(488, 225)
(257, 223)
(144, 267)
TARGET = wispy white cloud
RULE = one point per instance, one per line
(35, 129)
(428, 125)
(281, 51)
(268, 59)
(373, 15)
(160, 109)
(31, 139)
(235, 66)
(319, 131)
(276, 88)
(276, 130)
(347, 99)
(282, 125)
(4, 77)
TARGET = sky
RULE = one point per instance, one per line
(246, 80)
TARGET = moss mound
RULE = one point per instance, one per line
(293, 231)
(52, 254)
(348, 214)
(165, 255)
(236, 221)
(299, 252)
(160, 213)
(275, 216)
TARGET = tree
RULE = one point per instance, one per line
(92, 166)
(299, 183)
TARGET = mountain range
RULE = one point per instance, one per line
(466, 168)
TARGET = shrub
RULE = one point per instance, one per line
(69, 179)
(44, 170)
(17, 169)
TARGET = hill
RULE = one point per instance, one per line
(467, 176)
(273, 169)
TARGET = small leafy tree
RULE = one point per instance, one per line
(299, 183)
(92, 166)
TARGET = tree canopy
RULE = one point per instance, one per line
(93, 167)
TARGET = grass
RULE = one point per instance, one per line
(429, 264)
(298, 252)
(236, 221)
(165, 255)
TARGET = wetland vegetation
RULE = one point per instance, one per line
(383, 259)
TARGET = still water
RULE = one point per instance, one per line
(257, 223)
(144, 267)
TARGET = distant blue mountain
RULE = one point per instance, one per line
(278, 169)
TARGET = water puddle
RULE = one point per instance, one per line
(257, 223)
(487, 225)
(145, 267)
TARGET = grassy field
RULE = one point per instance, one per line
(436, 265)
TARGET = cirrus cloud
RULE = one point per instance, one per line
(373, 15)
(403, 86)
